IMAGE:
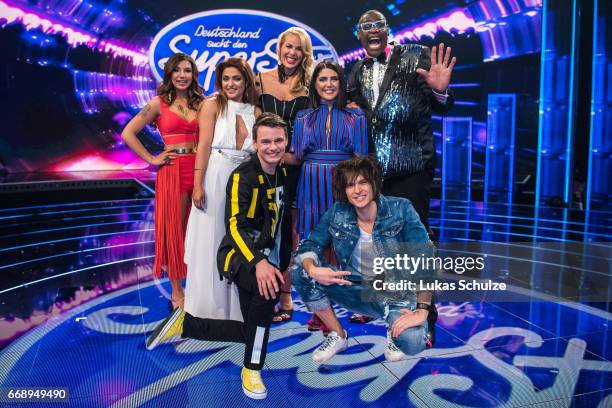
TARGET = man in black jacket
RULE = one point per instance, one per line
(256, 247)
(397, 87)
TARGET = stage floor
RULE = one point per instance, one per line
(77, 302)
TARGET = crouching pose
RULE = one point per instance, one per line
(363, 225)
(256, 247)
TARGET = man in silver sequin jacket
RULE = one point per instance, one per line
(398, 86)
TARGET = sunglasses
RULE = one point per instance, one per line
(371, 25)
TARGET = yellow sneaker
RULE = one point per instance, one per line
(171, 327)
(252, 385)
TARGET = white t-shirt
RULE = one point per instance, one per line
(362, 258)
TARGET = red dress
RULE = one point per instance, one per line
(173, 180)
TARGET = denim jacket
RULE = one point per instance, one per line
(397, 223)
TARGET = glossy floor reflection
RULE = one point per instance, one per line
(77, 302)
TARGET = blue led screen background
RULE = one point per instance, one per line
(74, 72)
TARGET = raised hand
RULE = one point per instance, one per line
(439, 75)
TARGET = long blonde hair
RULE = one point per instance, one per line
(305, 68)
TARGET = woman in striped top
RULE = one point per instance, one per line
(323, 136)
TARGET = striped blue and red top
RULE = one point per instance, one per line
(321, 151)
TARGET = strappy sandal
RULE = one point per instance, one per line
(359, 318)
(282, 315)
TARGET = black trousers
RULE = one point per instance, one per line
(415, 187)
(257, 313)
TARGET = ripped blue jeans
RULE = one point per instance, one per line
(318, 297)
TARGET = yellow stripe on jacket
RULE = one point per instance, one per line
(233, 222)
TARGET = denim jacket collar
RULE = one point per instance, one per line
(345, 216)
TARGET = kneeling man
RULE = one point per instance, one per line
(256, 247)
(363, 225)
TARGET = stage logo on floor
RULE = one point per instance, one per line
(97, 349)
(212, 36)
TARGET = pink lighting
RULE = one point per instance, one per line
(74, 37)
(457, 19)
(119, 159)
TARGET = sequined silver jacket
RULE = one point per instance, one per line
(399, 123)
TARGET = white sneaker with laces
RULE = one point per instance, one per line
(332, 345)
(392, 352)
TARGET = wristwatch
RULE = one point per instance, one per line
(423, 306)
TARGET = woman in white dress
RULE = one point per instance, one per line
(226, 123)
(225, 140)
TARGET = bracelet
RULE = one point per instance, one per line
(424, 306)
(196, 169)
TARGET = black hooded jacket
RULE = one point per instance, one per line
(251, 219)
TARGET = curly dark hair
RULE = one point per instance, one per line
(166, 90)
(250, 94)
(347, 171)
(315, 99)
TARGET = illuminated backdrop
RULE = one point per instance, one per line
(76, 71)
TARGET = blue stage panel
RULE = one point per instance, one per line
(599, 183)
(456, 158)
(557, 101)
(499, 162)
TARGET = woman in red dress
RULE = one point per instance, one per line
(175, 108)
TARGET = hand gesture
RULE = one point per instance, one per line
(408, 319)
(327, 276)
(439, 75)
(163, 158)
(266, 275)
(198, 196)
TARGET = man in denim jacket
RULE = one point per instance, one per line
(363, 225)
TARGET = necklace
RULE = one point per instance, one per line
(282, 75)
(275, 179)
(183, 110)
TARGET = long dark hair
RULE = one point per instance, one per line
(250, 92)
(315, 99)
(166, 90)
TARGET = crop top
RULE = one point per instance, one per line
(174, 128)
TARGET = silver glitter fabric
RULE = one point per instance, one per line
(400, 122)
(368, 80)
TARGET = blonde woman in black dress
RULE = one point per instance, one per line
(284, 91)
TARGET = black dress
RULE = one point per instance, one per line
(286, 110)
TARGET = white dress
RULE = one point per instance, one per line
(206, 296)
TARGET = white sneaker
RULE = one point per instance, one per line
(392, 352)
(332, 345)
